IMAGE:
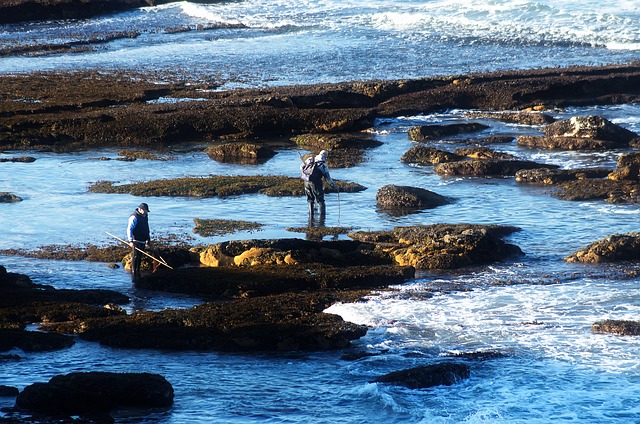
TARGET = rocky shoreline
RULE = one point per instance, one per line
(269, 295)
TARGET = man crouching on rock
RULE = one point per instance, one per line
(138, 236)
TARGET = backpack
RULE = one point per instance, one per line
(311, 170)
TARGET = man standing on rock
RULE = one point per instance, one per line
(138, 236)
(313, 170)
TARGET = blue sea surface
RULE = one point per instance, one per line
(535, 310)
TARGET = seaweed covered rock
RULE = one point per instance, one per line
(287, 252)
(228, 282)
(405, 199)
(9, 198)
(285, 322)
(430, 132)
(480, 152)
(614, 248)
(489, 167)
(516, 117)
(619, 327)
(551, 176)
(611, 191)
(96, 392)
(23, 302)
(426, 155)
(245, 153)
(442, 374)
(218, 186)
(442, 246)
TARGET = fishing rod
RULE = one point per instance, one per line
(161, 261)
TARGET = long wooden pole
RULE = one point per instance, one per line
(140, 250)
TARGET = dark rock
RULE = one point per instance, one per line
(626, 192)
(9, 198)
(614, 248)
(9, 391)
(489, 167)
(60, 124)
(92, 392)
(23, 302)
(441, 374)
(243, 281)
(245, 153)
(619, 327)
(549, 176)
(429, 132)
(285, 322)
(32, 341)
(425, 155)
(565, 143)
(23, 159)
(393, 197)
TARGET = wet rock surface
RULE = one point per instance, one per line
(406, 199)
(61, 119)
(487, 167)
(614, 248)
(619, 327)
(442, 246)
(286, 322)
(96, 392)
(443, 374)
(580, 133)
(218, 186)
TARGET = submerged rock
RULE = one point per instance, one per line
(447, 374)
(96, 392)
(9, 198)
(615, 248)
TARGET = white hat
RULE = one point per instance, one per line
(322, 155)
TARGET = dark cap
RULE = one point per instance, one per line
(143, 206)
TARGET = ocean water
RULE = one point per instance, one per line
(536, 310)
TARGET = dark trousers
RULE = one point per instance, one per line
(314, 192)
(136, 257)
